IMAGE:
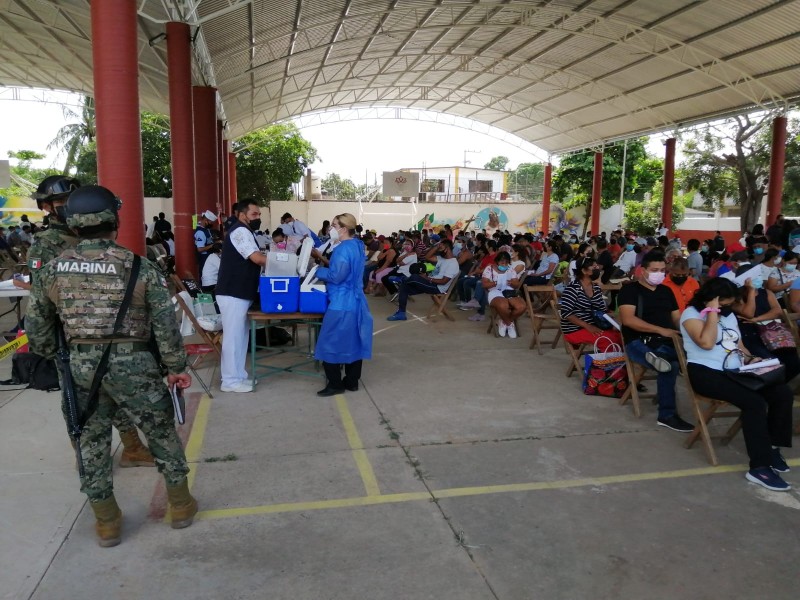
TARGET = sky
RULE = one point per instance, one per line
(356, 150)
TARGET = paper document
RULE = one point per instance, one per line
(770, 362)
(611, 320)
(178, 403)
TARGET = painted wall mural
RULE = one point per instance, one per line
(11, 209)
(561, 219)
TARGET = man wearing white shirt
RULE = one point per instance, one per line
(210, 274)
(294, 228)
(627, 260)
(237, 288)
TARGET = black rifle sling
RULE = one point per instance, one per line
(102, 367)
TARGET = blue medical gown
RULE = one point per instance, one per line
(346, 334)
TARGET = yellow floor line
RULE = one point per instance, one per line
(359, 454)
(288, 507)
(197, 436)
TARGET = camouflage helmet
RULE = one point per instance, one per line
(54, 187)
(92, 205)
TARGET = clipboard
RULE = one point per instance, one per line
(178, 403)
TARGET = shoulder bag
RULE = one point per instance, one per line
(775, 335)
(755, 379)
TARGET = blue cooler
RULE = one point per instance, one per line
(279, 294)
(313, 292)
(313, 301)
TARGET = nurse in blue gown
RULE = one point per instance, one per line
(346, 335)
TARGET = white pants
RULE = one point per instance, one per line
(234, 339)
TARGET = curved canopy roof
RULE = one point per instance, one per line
(561, 74)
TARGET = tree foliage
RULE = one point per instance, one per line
(156, 158)
(25, 177)
(498, 163)
(572, 180)
(339, 188)
(73, 137)
(527, 181)
(270, 160)
(644, 216)
(732, 158)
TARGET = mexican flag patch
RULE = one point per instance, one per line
(35, 263)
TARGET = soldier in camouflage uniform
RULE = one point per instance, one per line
(51, 197)
(85, 286)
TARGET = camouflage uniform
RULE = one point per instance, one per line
(47, 245)
(85, 287)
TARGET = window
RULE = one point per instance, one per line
(480, 185)
(433, 185)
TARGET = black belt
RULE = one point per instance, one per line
(115, 347)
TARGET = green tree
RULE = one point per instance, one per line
(738, 150)
(270, 160)
(156, 159)
(72, 137)
(646, 174)
(339, 188)
(702, 172)
(572, 180)
(24, 177)
(643, 216)
(498, 163)
(527, 181)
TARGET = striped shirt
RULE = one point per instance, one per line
(574, 301)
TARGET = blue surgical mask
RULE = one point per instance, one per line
(502, 268)
(758, 251)
(456, 249)
(757, 283)
(789, 267)
(704, 249)
(629, 247)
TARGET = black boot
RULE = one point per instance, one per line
(352, 373)
(334, 385)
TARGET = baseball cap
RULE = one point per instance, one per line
(651, 241)
(435, 237)
(209, 215)
(796, 249)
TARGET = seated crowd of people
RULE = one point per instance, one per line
(716, 299)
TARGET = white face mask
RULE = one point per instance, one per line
(334, 234)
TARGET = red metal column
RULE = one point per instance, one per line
(116, 92)
(220, 167)
(548, 188)
(232, 193)
(597, 192)
(179, 64)
(224, 174)
(669, 183)
(777, 160)
(204, 100)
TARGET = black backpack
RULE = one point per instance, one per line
(38, 372)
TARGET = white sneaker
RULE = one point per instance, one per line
(512, 331)
(471, 304)
(477, 317)
(243, 387)
(502, 329)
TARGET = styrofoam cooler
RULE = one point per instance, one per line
(279, 294)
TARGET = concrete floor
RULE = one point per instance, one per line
(466, 467)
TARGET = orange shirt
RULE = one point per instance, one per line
(684, 293)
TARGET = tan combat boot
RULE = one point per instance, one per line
(134, 453)
(109, 522)
(182, 506)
